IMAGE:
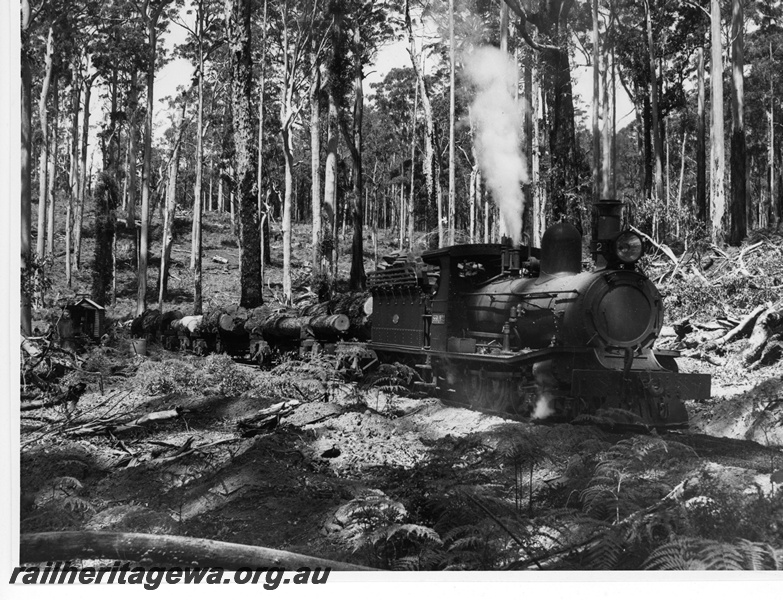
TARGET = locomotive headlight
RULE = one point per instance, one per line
(628, 247)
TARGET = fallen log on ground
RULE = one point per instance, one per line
(746, 323)
(266, 418)
(165, 550)
(70, 397)
(767, 324)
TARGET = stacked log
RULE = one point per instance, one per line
(357, 306)
(346, 316)
(289, 327)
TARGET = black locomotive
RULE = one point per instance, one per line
(527, 331)
(517, 330)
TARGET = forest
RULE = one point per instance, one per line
(289, 162)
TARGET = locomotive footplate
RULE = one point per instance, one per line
(656, 396)
(663, 384)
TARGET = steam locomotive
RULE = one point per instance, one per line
(526, 331)
(497, 327)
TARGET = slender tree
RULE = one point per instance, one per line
(718, 156)
(738, 224)
(596, 105)
(43, 117)
(656, 128)
(150, 12)
(452, 111)
(701, 141)
(26, 168)
(238, 14)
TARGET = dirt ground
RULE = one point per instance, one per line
(302, 484)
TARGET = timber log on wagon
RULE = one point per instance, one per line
(513, 329)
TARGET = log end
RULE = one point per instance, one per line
(341, 322)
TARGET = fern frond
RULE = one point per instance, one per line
(690, 553)
(606, 552)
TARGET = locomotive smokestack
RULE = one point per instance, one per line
(608, 222)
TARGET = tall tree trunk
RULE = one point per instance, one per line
(739, 205)
(656, 127)
(411, 192)
(133, 105)
(551, 22)
(26, 171)
(76, 76)
(718, 155)
(431, 160)
(84, 141)
(452, 111)
(773, 208)
(539, 191)
(502, 230)
(330, 186)
(528, 213)
(146, 168)
(198, 205)
(701, 143)
(43, 114)
(263, 207)
(315, 162)
(55, 142)
(608, 133)
(238, 20)
(357, 276)
(167, 239)
(596, 105)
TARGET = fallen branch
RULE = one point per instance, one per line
(182, 452)
(746, 323)
(165, 550)
(266, 418)
(742, 254)
(661, 247)
(113, 426)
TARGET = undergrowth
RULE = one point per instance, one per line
(643, 502)
(217, 374)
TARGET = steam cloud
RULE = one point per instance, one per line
(543, 409)
(498, 118)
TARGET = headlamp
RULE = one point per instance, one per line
(628, 247)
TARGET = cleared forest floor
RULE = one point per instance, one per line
(373, 476)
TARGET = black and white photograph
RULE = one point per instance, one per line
(321, 291)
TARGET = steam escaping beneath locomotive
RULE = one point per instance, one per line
(498, 117)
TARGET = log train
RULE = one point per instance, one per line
(517, 330)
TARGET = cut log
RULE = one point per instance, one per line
(232, 321)
(165, 550)
(260, 314)
(146, 323)
(190, 324)
(167, 317)
(220, 259)
(285, 327)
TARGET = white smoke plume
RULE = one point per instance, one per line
(498, 117)
(544, 408)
